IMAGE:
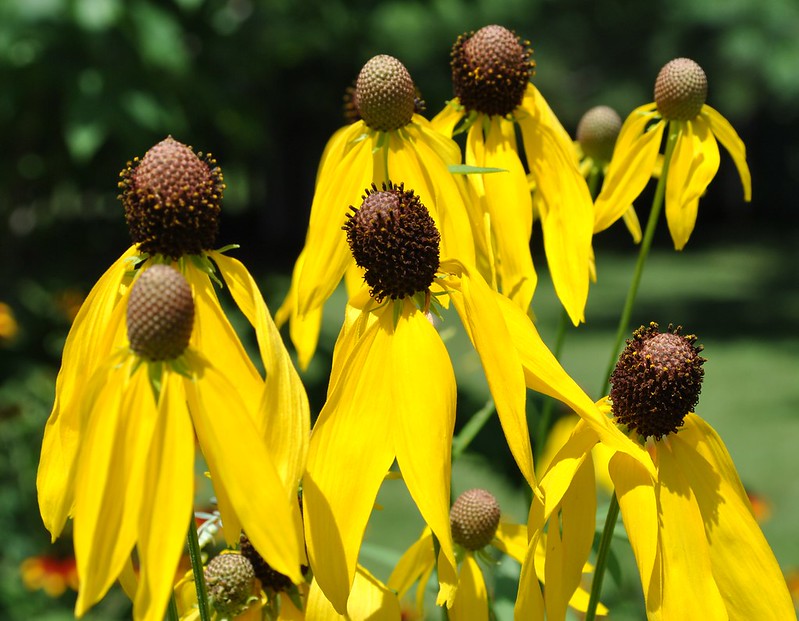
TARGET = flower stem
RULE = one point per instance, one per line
(624, 326)
(197, 568)
(172, 609)
(470, 430)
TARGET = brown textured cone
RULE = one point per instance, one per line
(385, 96)
(680, 90)
(474, 519)
(172, 200)
(597, 132)
(230, 579)
(160, 314)
(270, 579)
(657, 381)
(394, 239)
(490, 70)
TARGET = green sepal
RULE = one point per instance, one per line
(224, 249)
(466, 124)
(155, 371)
(204, 264)
(397, 311)
(180, 366)
(465, 169)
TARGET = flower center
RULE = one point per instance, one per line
(394, 239)
(474, 519)
(231, 579)
(597, 132)
(385, 96)
(270, 579)
(160, 314)
(172, 199)
(657, 381)
(680, 90)
(491, 69)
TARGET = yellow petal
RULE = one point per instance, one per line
(446, 120)
(640, 512)
(350, 452)
(479, 310)
(326, 252)
(634, 158)
(422, 406)
(507, 199)
(744, 567)
(415, 562)
(567, 217)
(284, 412)
(370, 601)
(689, 591)
(725, 133)
(694, 162)
(166, 511)
(529, 601)
(632, 224)
(568, 547)
(86, 346)
(471, 602)
(109, 478)
(234, 450)
(512, 540)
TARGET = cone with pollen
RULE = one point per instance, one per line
(474, 519)
(490, 70)
(172, 200)
(393, 237)
(385, 97)
(680, 90)
(160, 314)
(657, 381)
(597, 132)
(230, 579)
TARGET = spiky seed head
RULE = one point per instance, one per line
(680, 90)
(270, 579)
(172, 199)
(230, 579)
(491, 69)
(160, 314)
(597, 132)
(393, 237)
(474, 519)
(385, 96)
(657, 381)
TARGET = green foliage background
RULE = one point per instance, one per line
(86, 85)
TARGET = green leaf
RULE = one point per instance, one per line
(464, 169)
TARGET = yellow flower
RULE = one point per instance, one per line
(392, 387)
(389, 141)
(8, 324)
(142, 495)
(476, 523)
(692, 153)
(491, 73)
(51, 574)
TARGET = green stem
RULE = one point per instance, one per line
(470, 430)
(624, 321)
(172, 610)
(195, 554)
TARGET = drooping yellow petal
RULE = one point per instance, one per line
(725, 133)
(446, 120)
(632, 224)
(634, 158)
(422, 407)
(689, 590)
(326, 253)
(109, 477)
(350, 452)
(303, 330)
(370, 601)
(284, 412)
(86, 345)
(507, 199)
(234, 450)
(512, 540)
(529, 600)
(416, 560)
(567, 215)
(167, 504)
(479, 310)
(471, 602)
(744, 568)
(694, 162)
(568, 547)
(641, 514)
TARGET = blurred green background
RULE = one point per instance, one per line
(86, 85)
